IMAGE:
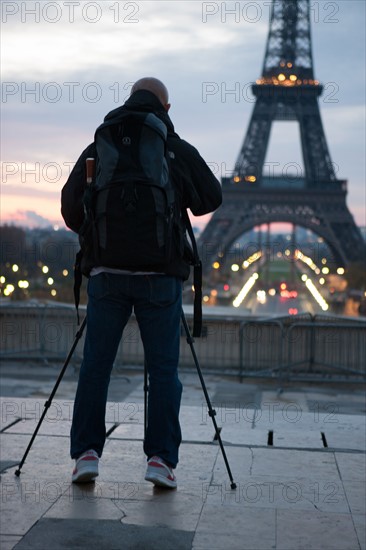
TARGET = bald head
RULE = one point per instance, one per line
(156, 87)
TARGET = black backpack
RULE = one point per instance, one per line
(129, 202)
(130, 207)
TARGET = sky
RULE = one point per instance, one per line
(64, 65)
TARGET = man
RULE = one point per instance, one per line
(156, 298)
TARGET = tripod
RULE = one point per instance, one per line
(211, 411)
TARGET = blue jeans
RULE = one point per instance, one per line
(157, 303)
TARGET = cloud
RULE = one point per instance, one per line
(155, 29)
(29, 191)
(28, 218)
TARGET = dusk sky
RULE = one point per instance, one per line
(64, 65)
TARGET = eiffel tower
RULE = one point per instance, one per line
(287, 90)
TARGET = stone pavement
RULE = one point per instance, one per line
(297, 457)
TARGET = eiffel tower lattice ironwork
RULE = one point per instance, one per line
(287, 90)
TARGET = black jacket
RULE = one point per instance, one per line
(196, 186)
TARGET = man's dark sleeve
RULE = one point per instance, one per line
(72, 192)
(202, 192)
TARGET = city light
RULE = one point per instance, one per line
(65, 273)
(316, 294)
(235, 267)
(244, 291)
(253, 258)
(287, 294)
(2, 279)
(216, 265)
(340, 271)
(45, 269)
(23, 284)
(50, 281)
(15, 268)
(8, 290)
(306, 260)
(286, 80)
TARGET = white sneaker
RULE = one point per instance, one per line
(86, 467)
(159, 473)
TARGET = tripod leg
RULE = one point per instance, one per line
(49, 401)
(211, 411)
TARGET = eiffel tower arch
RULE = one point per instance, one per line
(287, 90)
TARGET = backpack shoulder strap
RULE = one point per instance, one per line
(78, 273)
(78, 278)
(197, 279)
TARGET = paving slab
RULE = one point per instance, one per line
(312, 530)
(297, 439)
(128, 432)
(352, 466)
(293, 418)
(244, 435)
(346, 438)
(8, 542)
(355, 492)
(278, 462)
(80, 534)
(13, 408)
(50, 427)
(239, 528)
(284, 400)
(290, 496)
(53, 451)
(281, 493)
(360, 526)
(23, 503)
(178, 513)
(86, 508)
(125, 412)
(127, 491)
(196, 424)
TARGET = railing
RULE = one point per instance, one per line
(37, 331)
(314, 347)
(318, 347)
